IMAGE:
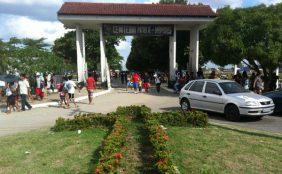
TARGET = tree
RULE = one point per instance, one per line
(65, 47)
(3, 56)
(173, 1)
(147, 54)
(252, 35)
(152, 53)
(29, 56)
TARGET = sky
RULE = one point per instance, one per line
(38, 18)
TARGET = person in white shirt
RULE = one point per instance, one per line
(24, 91)
(39, 86)
(158, 82)
(70, 86)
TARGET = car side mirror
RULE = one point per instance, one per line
(217, 93)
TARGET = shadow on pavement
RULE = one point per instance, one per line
(250, 133)
(221, 117)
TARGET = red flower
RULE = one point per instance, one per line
(166, 137)
(118, 155)
(98, 171)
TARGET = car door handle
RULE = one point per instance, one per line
(188, 93)
(204, 96)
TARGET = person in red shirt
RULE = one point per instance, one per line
(90, 86)
(135, 79)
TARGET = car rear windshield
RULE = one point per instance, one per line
(232, 87)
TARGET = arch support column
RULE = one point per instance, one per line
(194, 50)
(102, 56)
(172, 55)
(80, 50)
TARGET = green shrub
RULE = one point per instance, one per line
(179, 118)
(197, 118)
(84, 121)
(171, 118)
(133, 111)
(111, 149)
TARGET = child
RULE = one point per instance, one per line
(140, 85)
(146, 84)
(129, 84)
(62, 94)
(11, 98)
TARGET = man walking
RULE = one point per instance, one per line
(90, 86)
(70, 86)
(24, 92)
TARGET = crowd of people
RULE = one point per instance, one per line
(183, 78)
(20, 91)
(254, 82)
(142, 81)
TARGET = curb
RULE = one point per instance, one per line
(45, 105)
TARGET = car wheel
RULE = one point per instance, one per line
(232, 112)
(185, 105)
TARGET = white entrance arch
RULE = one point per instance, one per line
(80, 16)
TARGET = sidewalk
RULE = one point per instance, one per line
(167, 89)
(53, 99)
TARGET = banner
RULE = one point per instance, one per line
(139, 30)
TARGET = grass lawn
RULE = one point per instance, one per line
(63, 152)
(222, 150)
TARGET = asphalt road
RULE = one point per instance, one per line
(45, 117)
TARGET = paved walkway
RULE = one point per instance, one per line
(53, 97)
(45, 117)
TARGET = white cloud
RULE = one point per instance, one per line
(219, 3)
(151, 1)
(103, 1)
(125, 45)
(33, 2)
(24, 27)
(269, 2)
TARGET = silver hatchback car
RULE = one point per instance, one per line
(224, 96)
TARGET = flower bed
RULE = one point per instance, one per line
(162, 155)
(111, 153)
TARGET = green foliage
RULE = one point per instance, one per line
(65, 47)
(253, 34)
(197, 119)
(154, 52)
(179, 118)
(4, 57)
(84, 121)
(148, 54)
(173, 1)
(29, 56)
(134, 111)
